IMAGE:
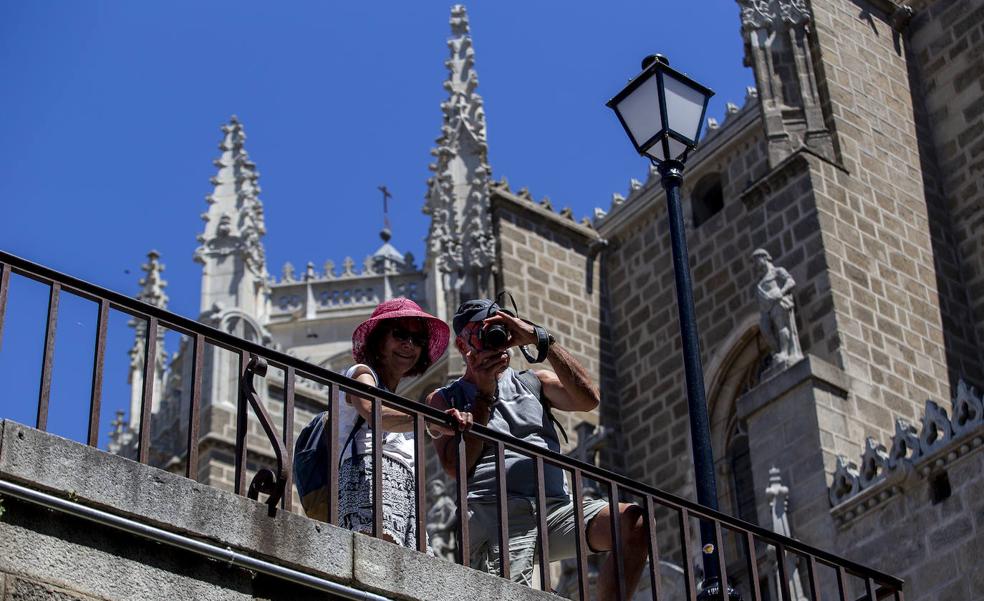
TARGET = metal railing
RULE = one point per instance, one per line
(254, 360)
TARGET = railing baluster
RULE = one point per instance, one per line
(288, 501)
(688, 570)
(194, 421)
(655, 582)
(722, 568)
(543, 542)
(377, 468)
(811, 573)
(147, 395)
(242, 427)
(464, 553)
(617, 550)
(841, 583)
(783, 578)
(420, 480)
(98, 359)
(502, 502)
(580, 540)
(333, 431)
(48, 359)
(753, 575)
(4, 286)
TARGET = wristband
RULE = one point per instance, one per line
(543, 342)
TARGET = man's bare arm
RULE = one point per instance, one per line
(568, 387)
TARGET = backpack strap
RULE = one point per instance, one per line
(532, 383)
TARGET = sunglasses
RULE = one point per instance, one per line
(416, 338)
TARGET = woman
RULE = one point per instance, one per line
(398, 340)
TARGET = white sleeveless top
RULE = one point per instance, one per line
(396, 445)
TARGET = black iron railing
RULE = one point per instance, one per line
(254, 360)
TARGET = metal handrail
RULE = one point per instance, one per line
(253, 358)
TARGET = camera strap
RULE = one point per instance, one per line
(542, 337)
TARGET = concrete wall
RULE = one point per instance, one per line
(51, 555)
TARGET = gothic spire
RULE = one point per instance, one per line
(152, 291)
(231, 251)
(460, 244)
(234, 220)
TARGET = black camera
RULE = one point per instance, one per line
(493, 336)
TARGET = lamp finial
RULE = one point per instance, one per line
(654, 58)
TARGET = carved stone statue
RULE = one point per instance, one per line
(778, 318)
(441, 520)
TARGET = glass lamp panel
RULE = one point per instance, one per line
(677, 148)
(640, 111)
(656, 151)
(684, 106)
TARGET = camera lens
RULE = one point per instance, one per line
(494, 336)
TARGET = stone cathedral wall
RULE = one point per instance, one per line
(947, 77)
(874, 217)
(548, 262)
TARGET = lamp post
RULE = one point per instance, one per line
(662, 111)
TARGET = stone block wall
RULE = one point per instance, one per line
(775, 212)
(874, 217)
(936, 544)
(55, 554)
(946, 68)
(547, 261)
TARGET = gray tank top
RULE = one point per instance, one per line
(520, 414)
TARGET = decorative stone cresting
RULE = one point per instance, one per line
(938, 442)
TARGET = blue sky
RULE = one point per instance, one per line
(110, 111)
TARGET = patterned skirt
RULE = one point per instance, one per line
(355, 499)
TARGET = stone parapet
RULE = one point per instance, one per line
(61, 552)
(914, 456)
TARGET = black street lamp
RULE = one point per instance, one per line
(662, 110)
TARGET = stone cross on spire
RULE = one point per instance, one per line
(460, 244)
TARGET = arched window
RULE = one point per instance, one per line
(707, 198)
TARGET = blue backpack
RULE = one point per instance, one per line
(311, 462)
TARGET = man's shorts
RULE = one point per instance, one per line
(483, 525)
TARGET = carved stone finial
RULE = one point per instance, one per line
(348, 265)
(567, 213)
(634, 185)
(590, 440)
(777, 314)
(874, 463)
(905, 444)
(617, 199)
(329, 269)
(287, 272)
(599, 213)
(846, 482)
(309, 273)
(152, 291)
(968, 409)
(525, 194)
(712, 123)
(936, 428)
(546, 204)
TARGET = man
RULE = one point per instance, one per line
(510, 402)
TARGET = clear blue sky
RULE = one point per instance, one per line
(110, 111)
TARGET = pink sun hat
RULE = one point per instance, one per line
(438, 332)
